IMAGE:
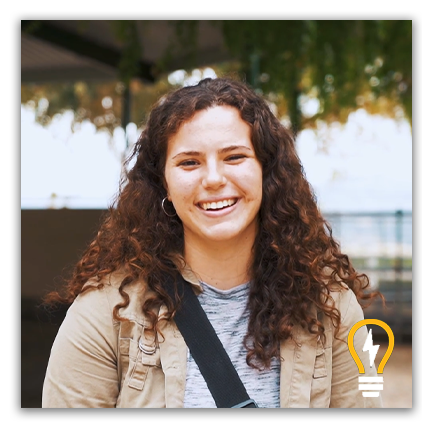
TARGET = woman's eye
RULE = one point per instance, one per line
(188, 163)
(235, 157)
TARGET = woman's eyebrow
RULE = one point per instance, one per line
(220, 151)
(188, 153)
(232, 148)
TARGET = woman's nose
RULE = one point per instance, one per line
(214, 176)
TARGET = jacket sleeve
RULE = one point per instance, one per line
(82, 369)
(345, 391)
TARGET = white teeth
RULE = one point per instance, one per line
(218, 204)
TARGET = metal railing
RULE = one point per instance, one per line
(380, 245)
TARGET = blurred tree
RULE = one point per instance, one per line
(343, 65)
(337, 66)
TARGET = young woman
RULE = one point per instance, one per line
(216, 193)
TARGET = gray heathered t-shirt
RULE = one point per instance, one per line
(226, 310)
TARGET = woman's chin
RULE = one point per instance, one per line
(224, 233)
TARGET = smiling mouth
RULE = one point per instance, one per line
(218, 205)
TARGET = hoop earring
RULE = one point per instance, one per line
(164, 210)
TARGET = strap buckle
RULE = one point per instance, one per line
(249, 403)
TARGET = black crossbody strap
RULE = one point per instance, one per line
(207, 350)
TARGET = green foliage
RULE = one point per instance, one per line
(86, 100)
(343, 64)
(184, 44)
(125, 32)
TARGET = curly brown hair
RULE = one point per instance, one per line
(296, 260)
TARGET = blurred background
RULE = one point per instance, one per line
(343, 87)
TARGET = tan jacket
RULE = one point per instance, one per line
(96, 361)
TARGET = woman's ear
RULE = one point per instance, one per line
(166, 189)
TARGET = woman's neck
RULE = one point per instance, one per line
(221, 265)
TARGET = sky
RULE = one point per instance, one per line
(364, 165)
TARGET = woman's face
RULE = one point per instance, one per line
(213, 177)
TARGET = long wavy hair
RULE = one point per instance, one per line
(295, 259)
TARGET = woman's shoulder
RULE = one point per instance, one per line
(106, 293)
(343, 298)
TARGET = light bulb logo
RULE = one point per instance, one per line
(370, 386)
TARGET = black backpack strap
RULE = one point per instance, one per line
(207, 350)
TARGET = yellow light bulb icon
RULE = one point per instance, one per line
(370, 384)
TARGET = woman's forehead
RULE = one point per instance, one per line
(215, 126)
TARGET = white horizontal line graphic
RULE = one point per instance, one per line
(371, 387)
(370, 394)
(371, 379)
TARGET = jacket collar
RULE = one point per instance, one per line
(187, 272)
